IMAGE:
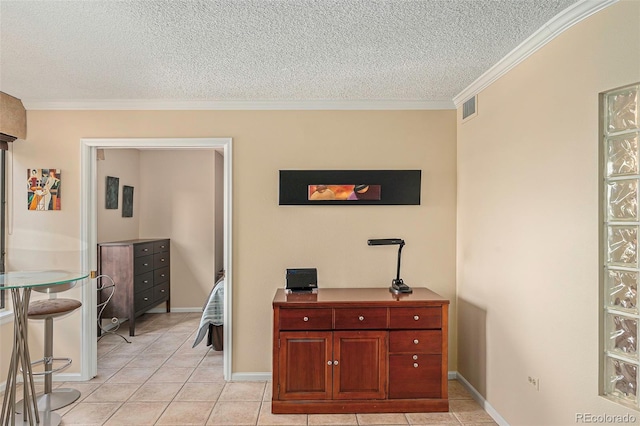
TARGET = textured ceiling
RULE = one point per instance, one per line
(258, 50)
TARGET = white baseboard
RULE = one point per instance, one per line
(251, 377)
(162, 310)
(480, 399)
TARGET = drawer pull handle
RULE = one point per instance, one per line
(145, 264)
(415, 341)
(335, 362)
(162, 260)
(329, 362)
(305, 319)
(415, 365)
(416, 317)
(415, 357)
(361, 318)
(146, 298)
(145, 249)
(145, 281)
(162, 275)
(162, 291)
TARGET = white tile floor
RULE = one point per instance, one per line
(159, 379)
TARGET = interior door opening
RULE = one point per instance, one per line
(90, 204)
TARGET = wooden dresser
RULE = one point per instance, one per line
(359, 351)
(142, 275)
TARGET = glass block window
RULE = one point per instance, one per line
(621, 227)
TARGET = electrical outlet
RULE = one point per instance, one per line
(535, 382)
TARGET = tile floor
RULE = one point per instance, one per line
(159, 379)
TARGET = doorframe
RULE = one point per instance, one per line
(88, 234)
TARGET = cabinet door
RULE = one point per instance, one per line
(360, 364)
(305, 365)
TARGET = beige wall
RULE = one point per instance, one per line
(173, 198)
(269, 238)
(176, 201)
(528, 224)
(125, 165)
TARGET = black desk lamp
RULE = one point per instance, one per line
(397, 285)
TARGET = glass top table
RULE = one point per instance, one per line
(20, 283)
(38, 279)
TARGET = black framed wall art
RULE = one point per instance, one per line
(349, 187)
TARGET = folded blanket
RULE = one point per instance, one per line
(212, 312)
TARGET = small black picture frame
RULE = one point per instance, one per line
(111, 192)
(381, 187)
(127, 201)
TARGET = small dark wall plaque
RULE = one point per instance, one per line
(349, 187)
(111, 192)
(127, 201)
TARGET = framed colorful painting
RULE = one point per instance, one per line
(349, 187)
(44, 189)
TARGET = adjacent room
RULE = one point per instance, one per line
(155, 138)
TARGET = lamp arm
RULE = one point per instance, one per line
(399, 257)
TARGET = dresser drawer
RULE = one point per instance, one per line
(415, 376)
(161, 291)
(143, 282)
(142, 249)
(143, 300)
(414, 341)
(420, 318)
(360, 318)
(160, 275)
(161, 246)
(306, 319)
(160, 260)
(143, 264)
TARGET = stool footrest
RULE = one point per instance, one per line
(67, 363)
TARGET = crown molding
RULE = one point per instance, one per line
(557, 25)
(160, 104)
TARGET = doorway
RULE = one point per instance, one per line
(88, 233)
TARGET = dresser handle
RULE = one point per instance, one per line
(415, 357)
(305, 319)
(335, 362)
(162, 275)
(145, 281)
(415, 341)
(415, 365)
(416, 317)
(361, 318)
(145, 264)
(145, 249)
(146, 298)
(329, 362)
(162, 291)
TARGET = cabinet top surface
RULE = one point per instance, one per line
(348, 296)
(136, 241)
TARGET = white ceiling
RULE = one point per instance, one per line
(424, 52)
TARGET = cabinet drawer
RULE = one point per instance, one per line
(161, 246)
(415, 376)
(160, 275)
(142, 249)
(160, 260)
(161, 291)
(143, 299)
(305, 319)
(143, 281)
(360, 318)
(143, 264)
(415, 318)
(414, 341)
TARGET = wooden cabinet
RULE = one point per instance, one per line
(359, 351)
(141, 272)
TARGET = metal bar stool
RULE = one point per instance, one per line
(47, 310)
